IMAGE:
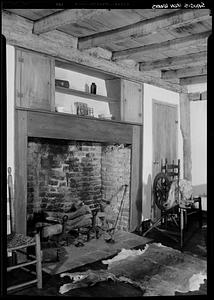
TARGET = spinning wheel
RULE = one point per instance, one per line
(161, 187)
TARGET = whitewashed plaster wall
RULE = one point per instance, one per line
(198, 114)
(10, 56)
(10, 70)
(151, 92)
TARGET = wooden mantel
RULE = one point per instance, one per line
(43, 124)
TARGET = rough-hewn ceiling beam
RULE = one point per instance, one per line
(184, 42)
(18, 32)
(193, 80)
(184, 72)
(188, 59)
(175, 19)
(63, 18)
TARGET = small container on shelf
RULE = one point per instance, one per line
(81, 108)
(90, 111)
(62, 83)
(86, 88)
(93, 88)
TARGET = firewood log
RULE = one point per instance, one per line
(78, 219)
(83, 222)
(72, 215)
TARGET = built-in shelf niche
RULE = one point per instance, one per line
(80, 81)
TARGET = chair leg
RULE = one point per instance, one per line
(200, 212)
(153, 226)
(39, 261)
(182, 228)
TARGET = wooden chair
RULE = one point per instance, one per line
(178, 213)
(16, 243)
(19, 243)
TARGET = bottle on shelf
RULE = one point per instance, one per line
(86, 88)
(93, 88)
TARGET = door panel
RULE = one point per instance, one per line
(34, 80)
(131, 104)
(165, 138)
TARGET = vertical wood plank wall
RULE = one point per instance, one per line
(20, 171)
(136, 179)
(185, 129)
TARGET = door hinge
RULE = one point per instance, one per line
(20, 95)
(21, 59)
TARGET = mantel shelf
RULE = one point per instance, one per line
(77, 116)
(85, 95)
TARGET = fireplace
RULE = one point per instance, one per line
(63, 174)
(74, 143)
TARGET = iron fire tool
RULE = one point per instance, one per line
(111, 231)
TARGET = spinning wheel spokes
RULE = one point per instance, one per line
(161, 188)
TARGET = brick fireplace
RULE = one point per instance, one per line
(61, 159)
(63, 173)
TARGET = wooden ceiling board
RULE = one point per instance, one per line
(152, 13)
(150, 56)
(190, 29)
(115, 19)
(126, 43)
(161, 36)
(33, 14)
(78, 30)
(110, 20)
(181, 66)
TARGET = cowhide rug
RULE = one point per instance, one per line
(157, 271)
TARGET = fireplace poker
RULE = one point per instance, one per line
(112, 230)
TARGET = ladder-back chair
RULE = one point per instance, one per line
(18, 243)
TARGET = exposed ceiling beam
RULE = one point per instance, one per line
(188, 59)
(184, 72)
(187, 41)
(18, 32)
(63, 18)
(193, 80)
(171, 20)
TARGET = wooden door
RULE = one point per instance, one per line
(131, 101)
(165, 138)
(34, 80)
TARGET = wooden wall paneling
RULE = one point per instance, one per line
(52, 84)
(63, 126)
(18, 70)
(35, 80)
(185, 130)
(136, 178)
(20, 171)
(131, 101)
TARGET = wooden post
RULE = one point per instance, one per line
(185, 130)
(20, 171)
(136, 179)
(39, 263)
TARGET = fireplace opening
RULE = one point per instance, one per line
(73, 186)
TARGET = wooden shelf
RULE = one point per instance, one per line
(77, 116)
(86, 95)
